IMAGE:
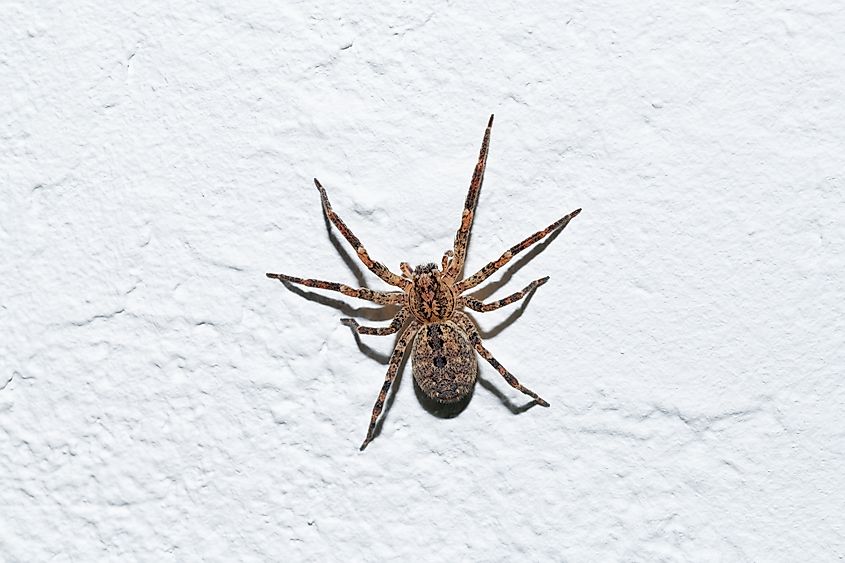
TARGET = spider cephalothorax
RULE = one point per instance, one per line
(444, 337)
(430, 297)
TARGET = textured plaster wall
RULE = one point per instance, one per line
(161, 400)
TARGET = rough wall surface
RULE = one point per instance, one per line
(161, 400)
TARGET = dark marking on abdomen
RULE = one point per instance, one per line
(435, 337)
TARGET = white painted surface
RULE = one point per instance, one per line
(162, 400)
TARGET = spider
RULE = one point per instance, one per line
(444, 338)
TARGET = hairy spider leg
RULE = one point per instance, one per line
(477, 305)
(469, 327)
(377, 268)
(462, 236)
(380, 297)
(395, 361)
(392, 328)
(488, 270)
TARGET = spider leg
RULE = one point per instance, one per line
(377, 268)
(469, 327)
(393, 327)
(462, 236)
(477, 305)
(392, 370)
(488, 270)
(381, 297)
(447, 257)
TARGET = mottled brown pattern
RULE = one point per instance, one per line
(392, 370)
(392, 328)
(477, 305)
(462, 236)
(431, 298)
(380, 297)
(443, 360)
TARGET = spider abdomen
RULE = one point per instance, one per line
(443, 362)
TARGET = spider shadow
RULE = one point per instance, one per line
(492, 287)
(442, 410)
(397, 383)
(375, 314)
(485, 334)
(512, 318)
(344, 254)
(513, 407)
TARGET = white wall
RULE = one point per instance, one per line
(162, 400)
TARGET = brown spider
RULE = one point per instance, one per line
(443, 361)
